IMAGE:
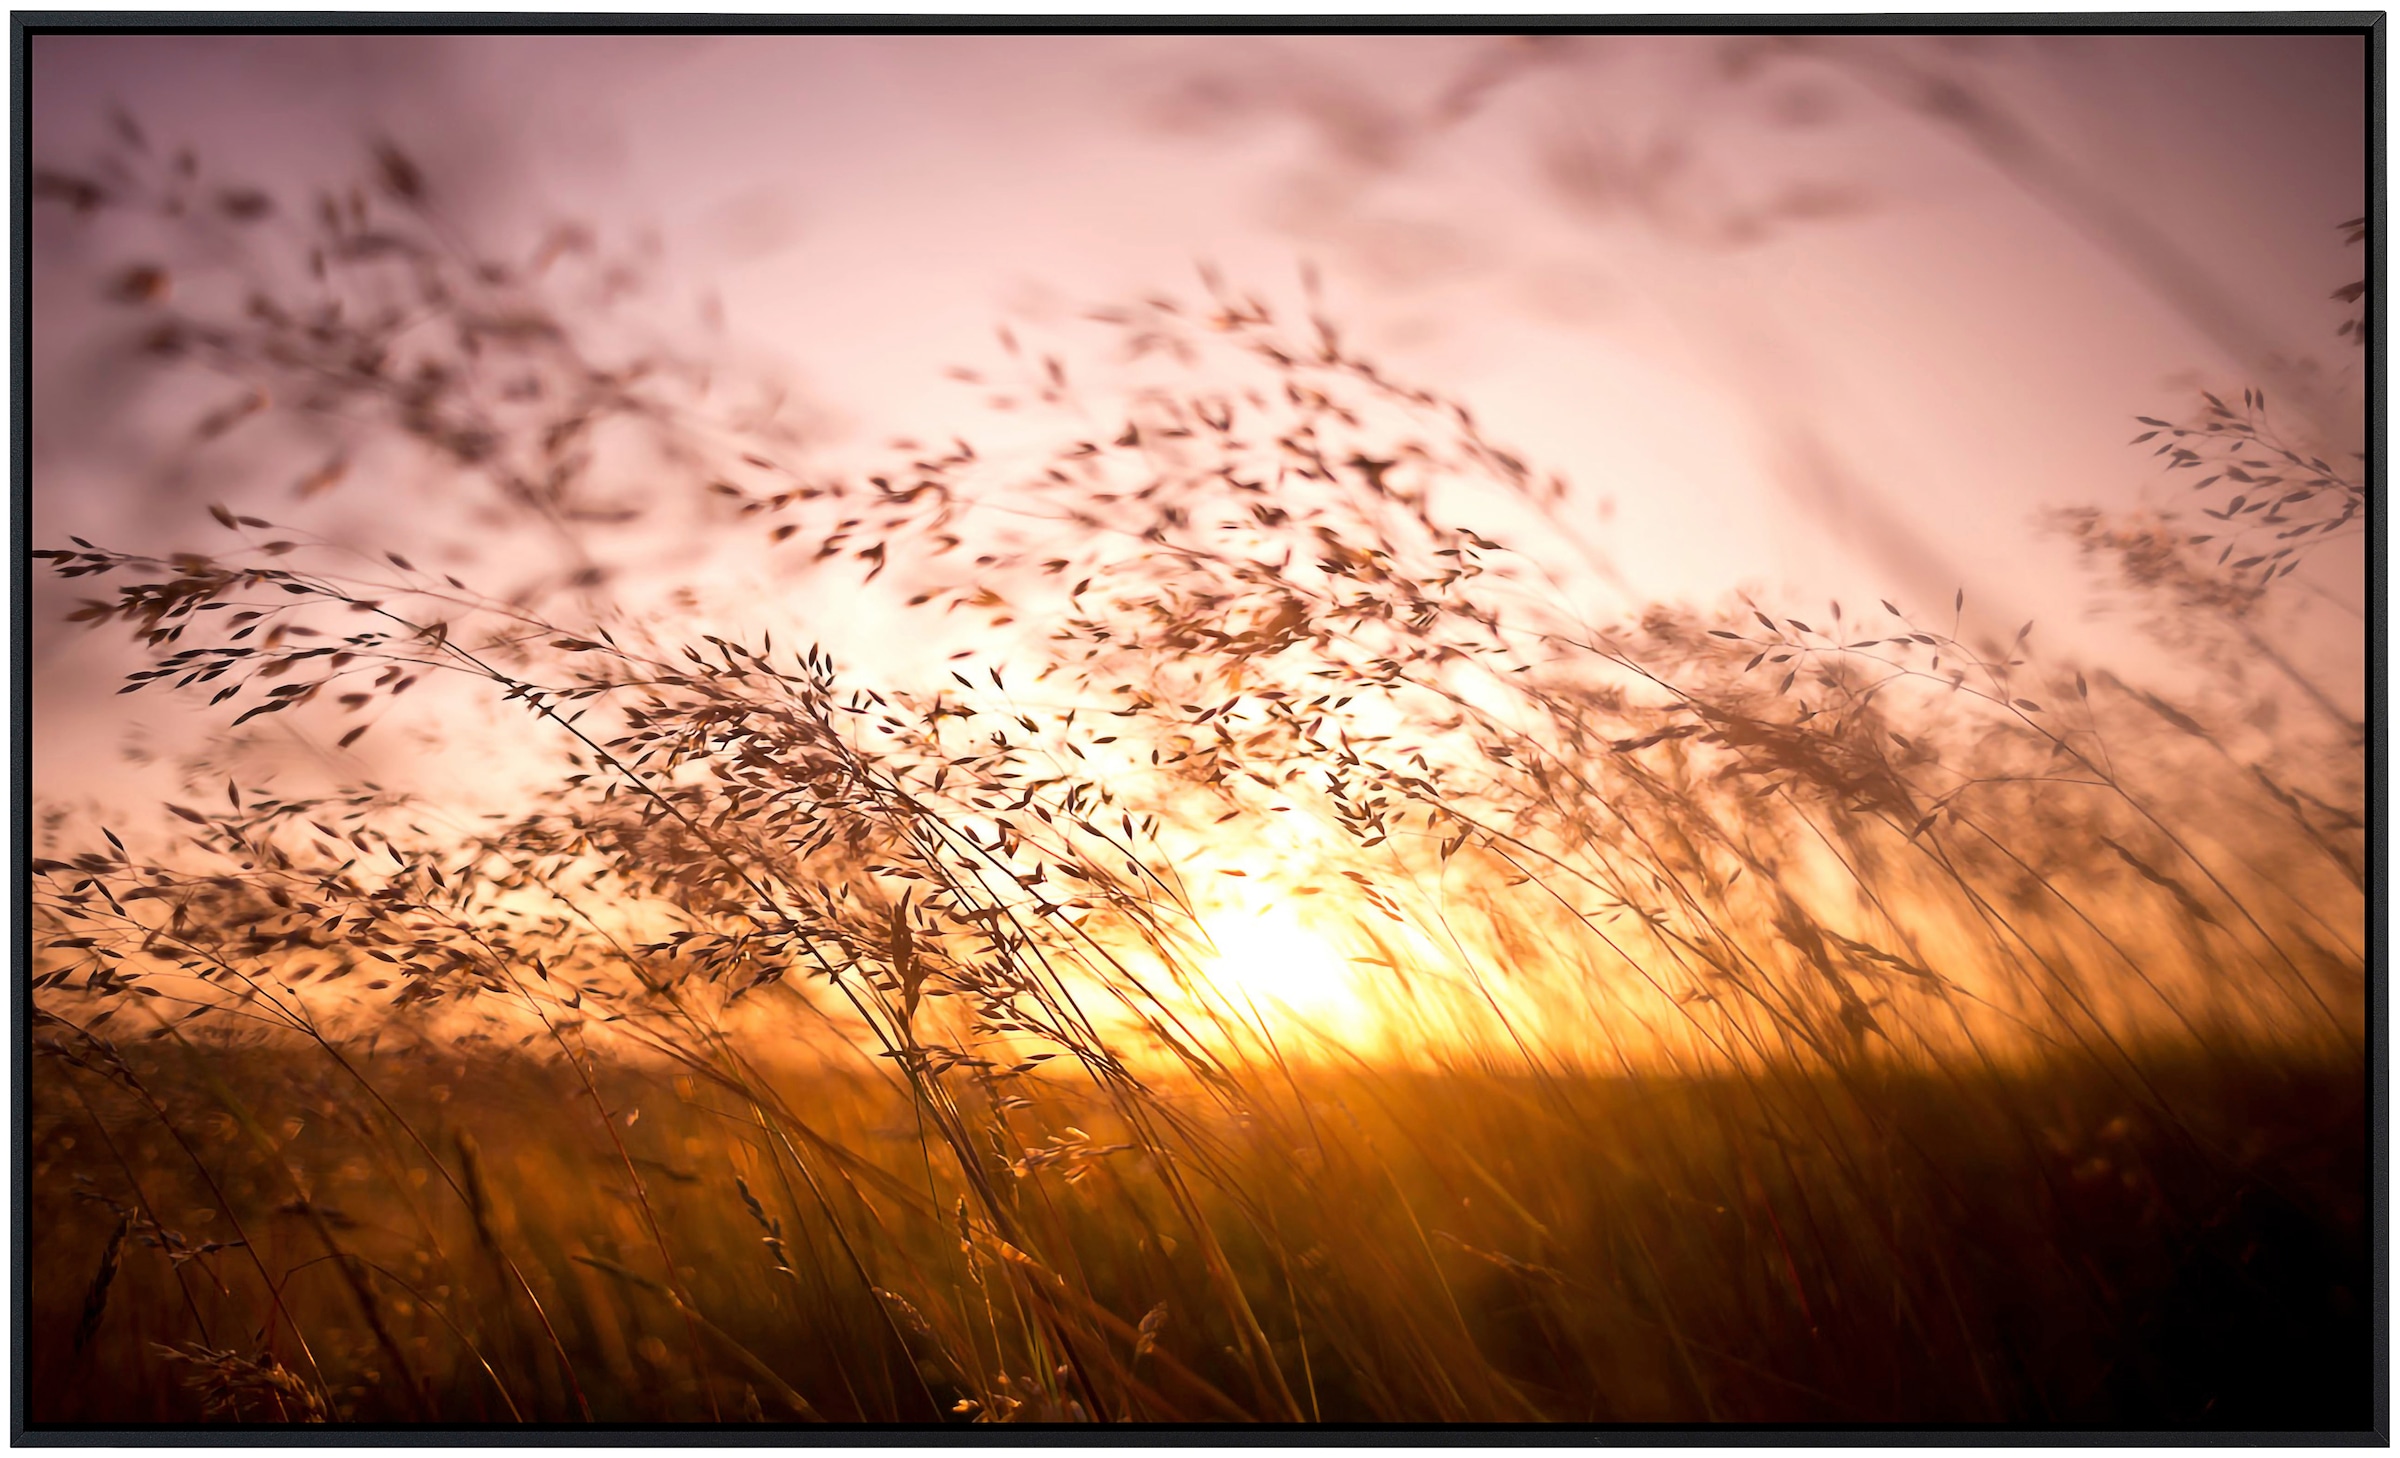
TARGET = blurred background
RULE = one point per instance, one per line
(1795, 316)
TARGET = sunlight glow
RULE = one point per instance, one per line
(1269, 960)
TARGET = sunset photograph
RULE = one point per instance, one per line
(892, 724)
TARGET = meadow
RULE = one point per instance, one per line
(1298, 962)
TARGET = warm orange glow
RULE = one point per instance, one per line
(1271, 963)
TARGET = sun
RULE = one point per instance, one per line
(1270, 960)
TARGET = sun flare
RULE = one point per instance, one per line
(1269, 959)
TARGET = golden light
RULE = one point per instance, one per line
(1268, 961)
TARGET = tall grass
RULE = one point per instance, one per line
(1847, 1017)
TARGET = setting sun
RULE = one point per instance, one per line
(1269, 959)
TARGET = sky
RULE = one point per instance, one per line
(1792, 323)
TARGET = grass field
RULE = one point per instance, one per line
(1301, 962)
(2048, 1246)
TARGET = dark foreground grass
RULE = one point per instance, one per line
(2052, 1245)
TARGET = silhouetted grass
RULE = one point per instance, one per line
(1850, 1019)
(1414, 1247)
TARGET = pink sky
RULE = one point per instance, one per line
(1874, 401)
